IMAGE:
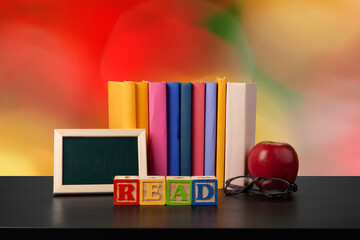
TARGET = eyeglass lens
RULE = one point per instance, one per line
(274, 186)
(238, 184)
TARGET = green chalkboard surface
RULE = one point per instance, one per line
(96, 160)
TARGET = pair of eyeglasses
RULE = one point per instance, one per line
(270, 186)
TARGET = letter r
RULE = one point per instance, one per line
(125, 189)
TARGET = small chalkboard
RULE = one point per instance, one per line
(87, 160)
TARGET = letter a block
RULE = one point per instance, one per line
(152, 190)
(178, 190)
(204, 190)
(126, 190)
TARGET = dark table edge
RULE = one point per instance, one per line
(174, 233)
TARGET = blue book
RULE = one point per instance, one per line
(173, 128)
(210, 128)
(185, 129)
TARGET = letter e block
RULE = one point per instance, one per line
(126, 190)
(152, 190)
(204, 190)
(178, 190)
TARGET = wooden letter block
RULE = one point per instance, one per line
(152, 190)
(126, 190)
(178, 190)
(204, 190)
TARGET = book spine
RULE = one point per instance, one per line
(157, 129)
(198, 117)
(220, 131)
(185, 129)
(210, 128)
(240, 127)
(173, 125)
(122, 104)
(142, 106)
(250, 119)
(142, 110)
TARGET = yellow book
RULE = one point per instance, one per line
(142, 107)
(122, 104)
(220, 135)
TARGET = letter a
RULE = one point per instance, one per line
(179, 191)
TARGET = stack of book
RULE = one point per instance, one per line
(193, 128)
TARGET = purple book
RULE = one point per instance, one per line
(210, 128)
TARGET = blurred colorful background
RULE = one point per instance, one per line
(57, 56)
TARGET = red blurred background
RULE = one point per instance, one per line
(57, 56)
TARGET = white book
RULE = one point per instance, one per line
(240, 127)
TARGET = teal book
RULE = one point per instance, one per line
(173, 127)
(185, 128)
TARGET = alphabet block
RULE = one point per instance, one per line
(126, 190)
(152, 190)
(204, 190)
(178, 190)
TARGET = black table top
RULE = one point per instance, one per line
(320, 203)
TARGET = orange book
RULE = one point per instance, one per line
(128, 105)
(142, 107)
(220, 131)
(122, 104)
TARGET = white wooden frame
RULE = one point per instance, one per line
(60, 188)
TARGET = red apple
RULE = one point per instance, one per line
(273, 159)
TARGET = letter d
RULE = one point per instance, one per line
(200, 188)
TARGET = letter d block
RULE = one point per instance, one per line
(178, 190)
(204, 190)
(152, 190)
(126, 190)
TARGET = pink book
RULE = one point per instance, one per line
(198, 136)
(157, 129)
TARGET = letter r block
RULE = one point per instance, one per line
(152, 190)
(178, 190)
(204, 190)
(126, 190)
